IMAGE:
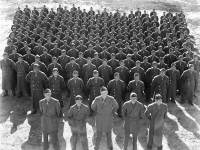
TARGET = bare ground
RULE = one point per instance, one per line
(19, 130)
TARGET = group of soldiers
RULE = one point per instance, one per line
(80, 52)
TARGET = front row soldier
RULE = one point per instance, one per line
(132, 112)
(94, 84)
(8, 81)
(116, 89)
(75, 87)
(156, 113)
(77, 116)
(160, 85)
(57, 85)
(188, 80)
(38, 82)
(105, 107)
(50, 110)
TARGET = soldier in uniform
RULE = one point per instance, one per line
(50, 109)
(77, 117)
(42, 66)
(132, 112)
(145, 64)
(104, 107)
(38, 82)
(53, 65)
(128, 62)
(137, 86)
(113, 63)
(170, 58)
(116, 89)
(22, 69)
(8, 81)
(46, 58)
(75, 86)
(137, 69)
(160, 84)
(81, 61)
(196, 64)
(162, 64)
(94, 84)
(70, 67)
(57, 85)
(105, 72)
(188, 82)
(96, 60)
(28, 57)
(156, 113)
(173, 75)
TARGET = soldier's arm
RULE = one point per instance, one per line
(87, 113)
(57, 108)
(62, 83)
(129, 87)
(12, 64)
(94, 105)
(141, 112)
(28, 77)
(70, 117)
(40, 106)
(147, 113)
(109, 86)
(115, 105)
(153, 84)
(88, 85)
(103, 83)
(124, 111)
(45, 81)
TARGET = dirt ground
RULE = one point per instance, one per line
(19, 130)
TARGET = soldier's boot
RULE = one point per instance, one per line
(13, 93)
(5, 93)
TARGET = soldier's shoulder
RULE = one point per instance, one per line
(55, 100)
(85, 106)
(110, 97)
(98, 97)
(128, 102)
(42, 100)
(139, 103)
(151, 105)
(165, 105)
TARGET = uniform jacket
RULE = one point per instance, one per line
(46, 59)
(113, 64)
(129, 63)
(139, 70)
(42, 67)
(52, 66)
(123, 73)
(30, 58)
(55, 52)
(69, 68)
(87, 72)
(97, 62)
(105, 72)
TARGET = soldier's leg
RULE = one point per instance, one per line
(98, 139)
(126, 138)
(160, 148)
(134, 141)
(84, 140)
(120, 108)
(148, 147)
(5, 93)
(54, 136)
(109, 140)
(45, 141)
(73, 140)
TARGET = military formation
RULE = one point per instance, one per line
(107, 58)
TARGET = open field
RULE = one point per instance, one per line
(19, 130)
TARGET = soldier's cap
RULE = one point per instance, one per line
(4, 54)
(128, 55)
(18, 37)
(136, 74)
(162, 70)
(35, 65)
(73, 44)
(72, 58)
(195, 55)
(103, 88)
(171, 50)
(112, 42)
(19, 56)
(158, 97)
(95, 53)
(104, 59)
(55, 69)
(116, 74)
(161, 58)
(75, 72)
(63, 50)
(154, 63)
(137, 62)
(80, 53)
(191, 65)
(54, 58)
(47, 91)
(153, 51)
(173, 64)
(133, 94)
(181, 56)
(112, 54)
(37, 56)
(95, 72)
(44, 49)
(78, 98)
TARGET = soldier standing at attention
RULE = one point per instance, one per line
(38, 82)
(50, 109)
(77, 115)
(156, 113)
(104, 106)
(132, 112)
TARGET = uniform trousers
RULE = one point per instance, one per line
(150, 148)
(54, 136)
(109, 140)
(134, 137)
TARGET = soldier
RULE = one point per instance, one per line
(8, 49)
(53, 65)
(113, 63)
(8, 81)
(73, 52)
(120, 55)
(136, 56)
(162, 64)
(96, 60)
(187, 58)
(160, 84)
(77, 115)
(70, 67)
(196, 64)
(50, 109)
(105, 72)
(150, 74)
(153, 57)
(174, 76)
(57, 85)
(132, 112)
(94, 84)
(90, 52)
(156, 113)
(104, 106)
(128, 62)
(137, 86)
(170, 58)
(75, 86)
(81, 48)
(38, 82)
(137, 69)
(46, 58)
(55, 51)
(116, 89)
(42, 66)
(145, 64)
(38, 50)
(104, 54)
(22, 69)
(188, 80)
(14, 55)
(81, 61)
(160, 52)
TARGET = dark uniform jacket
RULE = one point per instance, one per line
(30, 58)
(105, 72)
(69, 68)
(46, 59)
(113, 64)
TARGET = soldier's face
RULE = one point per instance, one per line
(96, 75)
(192, 68)
(78, 103)
(159, 101)
(75, 75)
(5, 56)
(133, 99)
(104, 94)
(55, 73)
(36, 69)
